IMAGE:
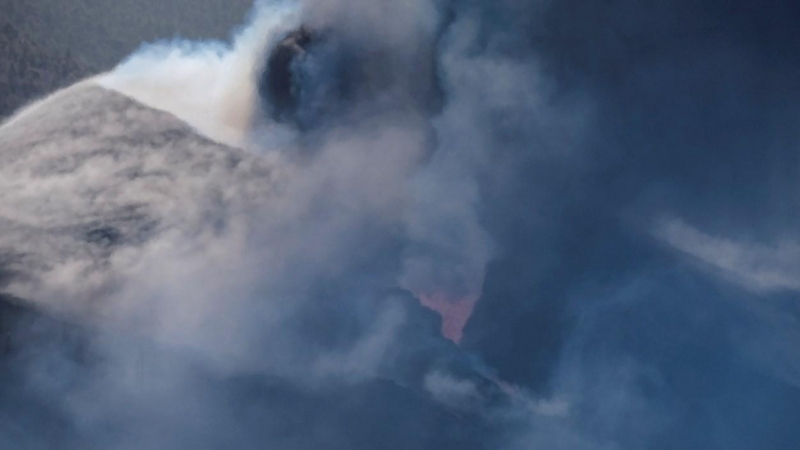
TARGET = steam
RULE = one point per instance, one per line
(210, 85)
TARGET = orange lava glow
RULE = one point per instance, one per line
(455, 312)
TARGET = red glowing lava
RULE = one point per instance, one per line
(455, 312)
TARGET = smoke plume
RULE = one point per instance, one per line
(423, 224)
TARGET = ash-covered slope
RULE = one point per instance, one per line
(87, 173)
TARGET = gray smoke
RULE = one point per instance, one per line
(277, 241)
(219, 294)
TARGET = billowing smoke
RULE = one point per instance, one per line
(423, 224)
(360, 99)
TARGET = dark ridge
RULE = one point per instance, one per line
(11, 310)
(398, 419)
(6, 274)
(28, 334)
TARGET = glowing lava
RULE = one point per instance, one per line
(455, 312)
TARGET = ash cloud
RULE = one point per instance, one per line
(204, 267)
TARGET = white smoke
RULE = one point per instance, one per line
(758, 267)
(377, 167)
(210, 85)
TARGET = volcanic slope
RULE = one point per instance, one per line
(88, 173)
